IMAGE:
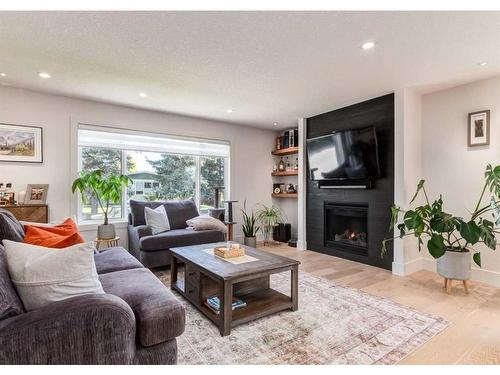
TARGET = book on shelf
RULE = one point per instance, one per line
(214, 304)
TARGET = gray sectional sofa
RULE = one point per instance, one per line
(136, 321)
(154, 250)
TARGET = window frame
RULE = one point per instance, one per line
(76, 167)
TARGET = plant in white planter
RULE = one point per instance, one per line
(107, 190)
(250, 227)
(452, 239)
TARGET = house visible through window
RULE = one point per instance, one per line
(161, 167)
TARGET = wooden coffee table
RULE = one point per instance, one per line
(206, 275)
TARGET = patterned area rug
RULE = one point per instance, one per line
(334, 325)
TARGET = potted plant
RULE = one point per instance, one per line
(250, 227)
(107, 190)
(269, 216)
(452, 239)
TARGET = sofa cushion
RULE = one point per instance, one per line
(115, 259)
(10, 304)
(179, 237)
(10, 227)
(159, 315)
(137, 211)
(179, 212)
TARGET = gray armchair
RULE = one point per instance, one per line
(154, 250)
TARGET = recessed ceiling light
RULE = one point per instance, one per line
(368, 45)
(275, 123)
(143, 95)
(3, 74)
(43, 75)
(229, 110)
(483, 63)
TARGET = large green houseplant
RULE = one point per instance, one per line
(106, 190)
(451, 239)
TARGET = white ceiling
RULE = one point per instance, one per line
(266, 66)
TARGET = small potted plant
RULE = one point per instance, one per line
(269, 217)
(250, 227)
(452, 239)
(107, 190)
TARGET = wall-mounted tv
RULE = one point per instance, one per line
(344, 155)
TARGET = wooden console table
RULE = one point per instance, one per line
(36, 213)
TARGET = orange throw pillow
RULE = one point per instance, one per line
(57, 237)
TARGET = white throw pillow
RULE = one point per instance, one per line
(157, 219)
(206, 222)
(42, 275)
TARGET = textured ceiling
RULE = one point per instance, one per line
(266, 66)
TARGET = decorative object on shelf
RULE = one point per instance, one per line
(269, 216)
(21, 196)
(36, 194)
(231, 250)
(250, 227)
(278, 188)
(106, 243)
(291, 188)
(20, 143)
(451, 239)
(275, 168)
(106, 190)
(281, 165)
(296, 165)
(7, 196)
(279, 143)
(479, 128)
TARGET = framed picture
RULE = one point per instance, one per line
(479, 128)
(36, 194)
(19, 143)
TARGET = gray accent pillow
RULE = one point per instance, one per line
(10, 227)
(137, 211)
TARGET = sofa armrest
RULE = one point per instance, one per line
(135, 233)
(89, 329)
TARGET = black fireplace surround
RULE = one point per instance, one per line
(352, 222)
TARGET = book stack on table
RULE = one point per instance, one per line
(213, 304)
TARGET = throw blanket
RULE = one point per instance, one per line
(206, 222)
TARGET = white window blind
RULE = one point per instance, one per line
(89, 136)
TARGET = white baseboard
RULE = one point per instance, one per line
(301, 245)
(404, 269)
(477, 274)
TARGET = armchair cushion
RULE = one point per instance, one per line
(159, 315)
(115, 259)
(179, 237)
(89, 329)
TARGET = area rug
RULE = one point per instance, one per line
(334, 325)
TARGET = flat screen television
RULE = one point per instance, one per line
(344, 155)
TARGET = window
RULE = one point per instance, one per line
(161, 167)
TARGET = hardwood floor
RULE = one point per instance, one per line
(473, 336)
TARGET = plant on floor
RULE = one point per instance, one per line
(269, 216)
(105, 189)
(249, 226)
(445, 232)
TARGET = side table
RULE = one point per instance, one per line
(104, 244)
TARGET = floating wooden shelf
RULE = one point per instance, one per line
(286, 195)
(285, 173)
(286, 151)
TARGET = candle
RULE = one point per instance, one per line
(21, 195)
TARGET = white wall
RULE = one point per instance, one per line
(449, 166)
(250, 147)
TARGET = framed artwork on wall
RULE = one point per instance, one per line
(20, 143)
(36, 194)
(479, 128)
